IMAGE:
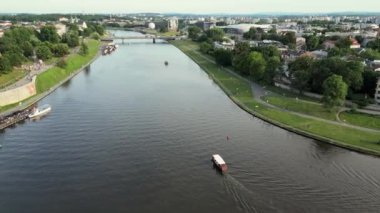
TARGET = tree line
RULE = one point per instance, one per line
(335, 77)
(21, 44)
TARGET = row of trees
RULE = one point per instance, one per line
(288, 38)
(20, 44)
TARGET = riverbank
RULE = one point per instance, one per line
(239, 90)
(54, 77)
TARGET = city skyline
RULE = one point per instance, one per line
(196, 6)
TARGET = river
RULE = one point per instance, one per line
(130, 134)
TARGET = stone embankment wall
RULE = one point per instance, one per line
(18, 94)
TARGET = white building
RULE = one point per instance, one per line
(63, 19)
(377, 93)
(61, 29)
(173, 24)
(225, 45)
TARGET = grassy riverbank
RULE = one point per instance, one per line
(360, 119)
(239, 90)
(54, 75)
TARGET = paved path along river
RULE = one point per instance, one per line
(134, 135)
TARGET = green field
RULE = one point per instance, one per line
(361, 119)
(239, 90)
(301, 106)
(54, 75)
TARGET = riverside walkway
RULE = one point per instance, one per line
(259, 92)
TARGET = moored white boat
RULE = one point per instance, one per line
(38, 112)
(219, 162)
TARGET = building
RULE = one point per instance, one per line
(172, 24)
(225, 45)
(377, 93)
(61, 29)
(63, 19)
(300, 42)
(208, 25)
(354, 44)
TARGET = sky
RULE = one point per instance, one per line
(188, 6)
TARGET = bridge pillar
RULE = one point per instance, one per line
(122, 41)
(154, 40)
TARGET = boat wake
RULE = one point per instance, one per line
(241, 195)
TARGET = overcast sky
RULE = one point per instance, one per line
(187, 6)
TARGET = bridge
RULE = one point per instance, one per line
(148, 37)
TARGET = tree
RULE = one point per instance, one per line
(71, 39)
(60, 50)
(95, 36)
(257, 65)
(353, 75)
(5, 65)
(15, 57)
(301, 72)
(83, 49)
(289, 38)
(43, 52)
(351, 72)
(223, 57)
(49, 33)
(374, 44)
(253, 34)
(27, 49)
(216, 34)
(241, 47)
(205, 47)
(335, 91)
(273, 64)
(241, 63)
(99, 29)
(312, 42)
(369, 82)
(194, 32)
(344, 43)
(370, 54)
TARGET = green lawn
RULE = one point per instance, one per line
(361, 119)
(233, 85)
(11, 77)
(54, 75)
(228, 82)
(301, 106)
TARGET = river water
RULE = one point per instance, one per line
(130, 134)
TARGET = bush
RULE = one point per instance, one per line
(15, 58)
(361, 100)
(5, 65)
(62, 63)
(83, 49)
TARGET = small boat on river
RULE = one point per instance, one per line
(166, 63)
(38, 112)
(219, 163)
